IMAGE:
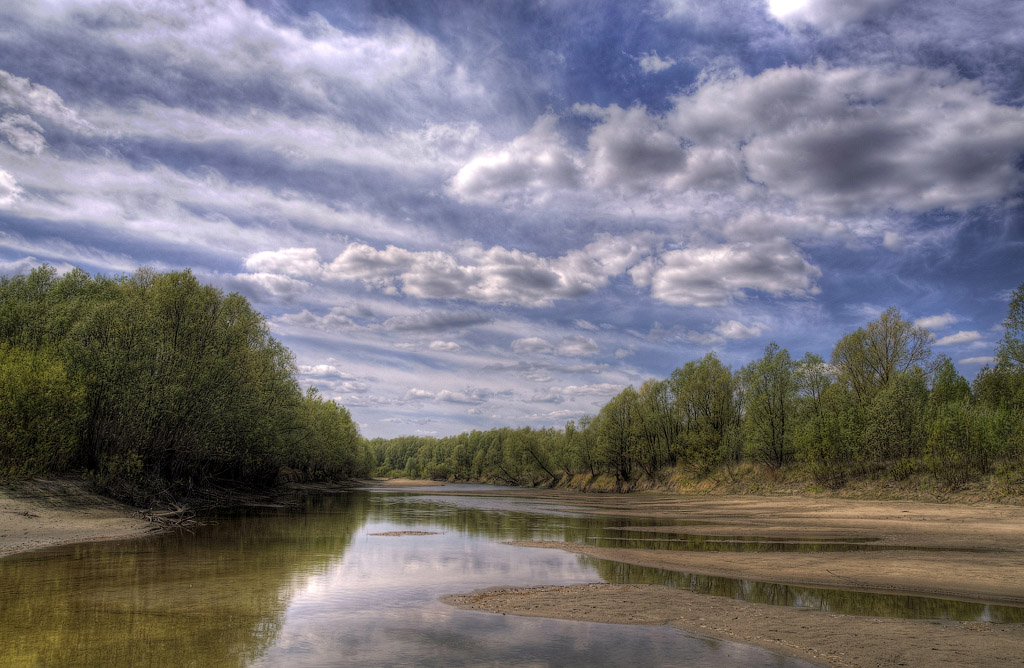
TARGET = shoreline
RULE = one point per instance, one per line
(36, 514)
(824, 638)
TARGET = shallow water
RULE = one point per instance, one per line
(313, 587)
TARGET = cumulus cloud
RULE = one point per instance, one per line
(529, 169)
(653, 63)
(733, 329)
(287, 261)
(959, 337)
(906, 138)
(578, 346)
(493, 275)
(531, 344)
(445, 346)
(828, 16)
(813, 143)
(716, 275)
(937, 321)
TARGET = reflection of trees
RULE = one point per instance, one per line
(215, 598)
(831, 600)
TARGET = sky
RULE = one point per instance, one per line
(465, 215)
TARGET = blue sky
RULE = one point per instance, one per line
(468, 215)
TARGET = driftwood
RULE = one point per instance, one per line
(177, 516)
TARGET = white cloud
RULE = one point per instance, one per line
(959, 337)
(9, 189)
(584, 324)
(494, 275)
(734, 329)
(977, 360)
(532, 344)
(937, 321)
(828, 16)
(578, 346)
(288, 261)
(22, 133)
(652, 62)
(716, 275)
(529, 169)
(445, 346)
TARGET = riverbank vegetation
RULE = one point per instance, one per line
(882, 409)
(157, 386)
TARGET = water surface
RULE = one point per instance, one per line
(312, 586)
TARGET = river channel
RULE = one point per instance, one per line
(340, 581)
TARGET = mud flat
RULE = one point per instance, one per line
(961, 552)
(36, 514)
(820, 637)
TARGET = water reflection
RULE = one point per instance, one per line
(313, 586)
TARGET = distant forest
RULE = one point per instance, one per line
(882, 408)
(157, 386)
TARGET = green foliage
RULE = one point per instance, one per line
(961, 443)
(771, 391)
(871, 411)
(896, 420)
(708, 413)
(168, 385)
(41, 412)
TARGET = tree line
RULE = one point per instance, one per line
(156, 384)
(882, 407)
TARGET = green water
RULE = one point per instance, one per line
(313, 586)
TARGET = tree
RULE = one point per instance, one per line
(771, 389)
(706, 410)
(616, 434)
(869, 358)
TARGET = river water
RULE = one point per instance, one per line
(320, 586)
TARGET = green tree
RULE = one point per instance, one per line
(707, 412)
(771, 390)
(870, 357)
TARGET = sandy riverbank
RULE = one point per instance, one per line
(36, 514)
(980, 556)
(822, 638)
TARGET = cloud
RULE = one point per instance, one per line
(830, 147)
(828, 16)
(529, 169)
(578, 346)
(584, 324)
(436, 321)
(9, 189)
(717, 275)
(494, 275)
(288, 261)
(937, 321)
(959, 337)
(268, 286)
(532, 344)
(858, 138)
(22, 133)
(736, 330)
(977, 360)
(445, 346)
(652, 63)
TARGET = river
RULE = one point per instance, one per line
(340, 581)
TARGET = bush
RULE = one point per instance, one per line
(960, 444)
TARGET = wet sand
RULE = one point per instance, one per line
(980, 557)
(36, 514)
(824, 638)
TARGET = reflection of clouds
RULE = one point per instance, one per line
(379, 605)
